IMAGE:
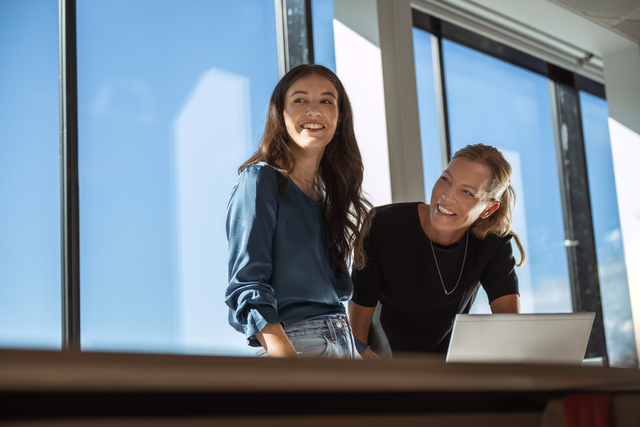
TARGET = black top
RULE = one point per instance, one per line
(401, 273)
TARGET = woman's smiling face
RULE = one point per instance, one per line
(311, 112)
(459, 196)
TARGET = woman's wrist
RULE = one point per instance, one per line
(275, 341)
(368, 354)
(360, 346)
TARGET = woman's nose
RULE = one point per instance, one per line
(448, 195)
(312, 109)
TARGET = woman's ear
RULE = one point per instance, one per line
(491, 209)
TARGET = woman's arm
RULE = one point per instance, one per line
(251, 222)
(360, 321)
(506, 304)
(275, 341)
(500, 280)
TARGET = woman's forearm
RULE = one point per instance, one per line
(275, 341)
(360, 321)
(506, 304)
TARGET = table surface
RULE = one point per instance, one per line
(47, 371)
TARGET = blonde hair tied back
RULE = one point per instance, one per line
(498, 189)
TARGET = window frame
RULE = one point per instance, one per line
(70, 206)
(564, 89)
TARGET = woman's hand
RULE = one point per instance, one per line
(360, 321)
(275, 341)
(368, 354)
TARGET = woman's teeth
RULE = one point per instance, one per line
(312, 126)
(445, 211)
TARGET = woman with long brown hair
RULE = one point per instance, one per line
(425, 263)
(294, 219)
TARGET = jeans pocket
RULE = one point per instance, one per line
(312, 345)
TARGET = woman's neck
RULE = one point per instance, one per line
(304, 174)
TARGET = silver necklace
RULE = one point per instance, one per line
(303, 178)
(313, 189)
(466, 245)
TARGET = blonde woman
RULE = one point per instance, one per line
(425, 263)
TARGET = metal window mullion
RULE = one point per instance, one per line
(69, 177)
(441, 98)
(576, 203)
(564, 197)
(297, 32)
(311, 54)
(281, 35)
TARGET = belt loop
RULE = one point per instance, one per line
(331, 330)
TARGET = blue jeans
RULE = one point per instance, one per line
(327, 337)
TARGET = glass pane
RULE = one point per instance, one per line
(172, 99)
(30, 308)
(427, 109)
(612, 270)
(495, 103)
(322, 21)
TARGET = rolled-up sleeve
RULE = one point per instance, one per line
(251, 222)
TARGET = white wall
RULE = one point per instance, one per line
(622, 79)
(359, 67)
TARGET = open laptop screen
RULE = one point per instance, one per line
(520, 338)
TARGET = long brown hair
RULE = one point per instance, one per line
(498, 189)
(339, 179)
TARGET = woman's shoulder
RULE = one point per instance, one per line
(493, 241)
(260, 173)
(259, 169)
(393, 211)
(394, 220)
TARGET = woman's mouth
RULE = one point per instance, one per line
(445, 211)
(312, 126)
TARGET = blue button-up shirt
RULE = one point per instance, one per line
(279, 266)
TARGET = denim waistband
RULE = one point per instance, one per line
(328, 325)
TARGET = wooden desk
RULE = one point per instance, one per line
(45, 388)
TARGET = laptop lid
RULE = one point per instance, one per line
(559, 338)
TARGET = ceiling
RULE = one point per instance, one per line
(559, 21)
(620, 16)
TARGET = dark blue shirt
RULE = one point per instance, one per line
(279, 266)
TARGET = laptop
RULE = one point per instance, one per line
(559, 338)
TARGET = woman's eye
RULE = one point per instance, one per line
(299, 100)
(326, 101)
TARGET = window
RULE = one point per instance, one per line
(323, 42)
(500, 104)
(30, 312)
(427, 108)
(172, 99)
(475, 90)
